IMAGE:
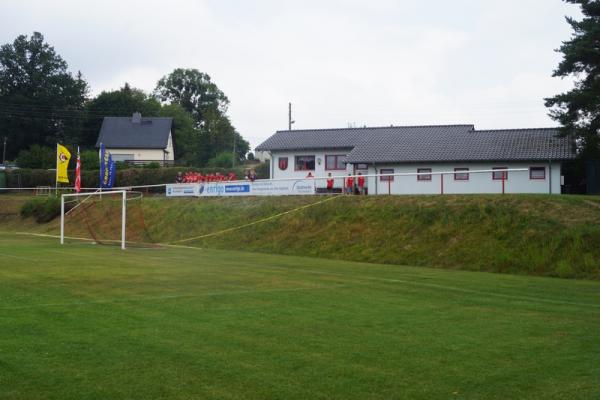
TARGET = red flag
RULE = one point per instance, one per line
(78, 174)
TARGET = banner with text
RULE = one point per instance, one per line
(299, 187)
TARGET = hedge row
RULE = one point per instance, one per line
(26, 178)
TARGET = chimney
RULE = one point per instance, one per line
(136, 118)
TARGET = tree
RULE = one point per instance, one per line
(218, 135)
(117, 103)
(578, 110)
(186, 138)
(196, 93)
(193, 90)
(37, 157)
(40, 101)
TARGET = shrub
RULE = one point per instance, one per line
(263, 170)
(222, 160)
(43, 209)
(37, 157)
(90, 160)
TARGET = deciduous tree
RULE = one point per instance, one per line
(41, 102)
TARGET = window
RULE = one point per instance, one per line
(461, 174)
(500, 175)
(305, 163)
(386, 178)
(335, 163)
(423, 171)
(362, 166)
(537, 173)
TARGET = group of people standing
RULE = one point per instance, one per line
(352, 185)
(197, 177)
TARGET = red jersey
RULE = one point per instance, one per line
(349, 182)
(329, 183)
(361, 181)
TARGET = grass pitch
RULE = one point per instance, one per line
(92, 322)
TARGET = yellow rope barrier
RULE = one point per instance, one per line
(254, 222)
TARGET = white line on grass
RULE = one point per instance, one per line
(170, 297)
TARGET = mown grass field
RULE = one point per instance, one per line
(84, 321)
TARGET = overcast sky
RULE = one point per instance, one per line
(374, 63)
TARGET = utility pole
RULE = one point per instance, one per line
(290, 120)
(4, 152)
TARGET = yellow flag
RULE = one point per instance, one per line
(62, 162)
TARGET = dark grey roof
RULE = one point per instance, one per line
(121, 133)
(429, 143)
(344, 138)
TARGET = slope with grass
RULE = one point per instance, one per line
(523, 234)
(94, 322)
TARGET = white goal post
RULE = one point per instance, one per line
(87, 196)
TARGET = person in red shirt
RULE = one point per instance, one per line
(329, 183)
(361, 184)
(349, 184)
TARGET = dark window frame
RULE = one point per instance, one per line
(537, 169)
(305, 163)
(503, 173)
(386, 178)
(459, 171)
(335, 157)
(424, 178)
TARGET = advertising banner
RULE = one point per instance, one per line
(298, 187)
(182, 190)
(258, 188)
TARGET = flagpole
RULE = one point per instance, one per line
(56, 181)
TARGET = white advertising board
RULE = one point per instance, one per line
(297, 187)
(182, 190)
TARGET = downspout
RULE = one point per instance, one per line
(549, 176)
(272, 168)
(376, 180)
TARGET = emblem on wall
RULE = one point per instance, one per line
(283, 163)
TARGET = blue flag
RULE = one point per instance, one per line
(112, 171)
(108, 168)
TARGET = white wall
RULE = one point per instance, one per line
(517, 181)
(277, 173)
(262, 156)
(148, 154)
(170, 150)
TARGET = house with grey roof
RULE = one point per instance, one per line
(425, 159)
(138, 140)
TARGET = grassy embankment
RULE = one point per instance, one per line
(522, 234)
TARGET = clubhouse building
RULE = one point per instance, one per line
(538, 155)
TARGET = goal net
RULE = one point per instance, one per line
(113, 217)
